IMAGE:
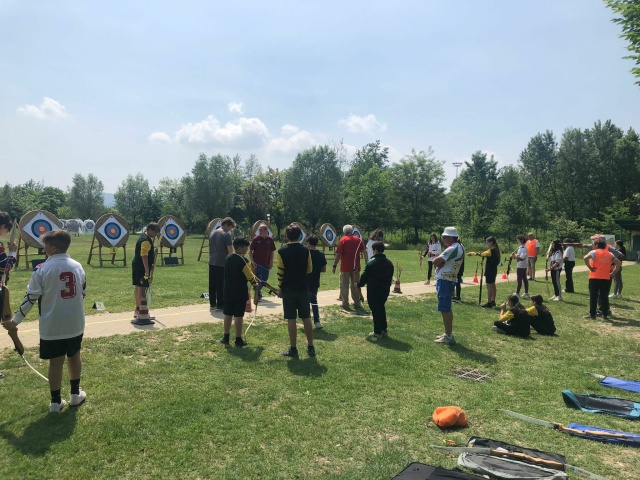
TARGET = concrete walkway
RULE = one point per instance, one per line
(106, 324)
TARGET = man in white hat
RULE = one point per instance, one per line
(447, 265)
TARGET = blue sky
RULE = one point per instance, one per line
(121, 87)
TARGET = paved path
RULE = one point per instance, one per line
(106, 324)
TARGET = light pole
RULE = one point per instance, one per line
(457, 165)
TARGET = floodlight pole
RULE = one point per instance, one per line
(457, 165)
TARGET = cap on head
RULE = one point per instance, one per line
(450, 232)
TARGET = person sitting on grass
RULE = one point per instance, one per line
(514, 319)
(58, 286)
(540, 317)
(237, 272)
(378, 276)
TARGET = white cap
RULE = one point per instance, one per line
(450, 232)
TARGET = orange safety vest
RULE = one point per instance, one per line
(531, 247)
(602, 264)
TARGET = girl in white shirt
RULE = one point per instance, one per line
(432, 250)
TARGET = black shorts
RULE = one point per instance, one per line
(57, 348)
(234, 307)
(490, 276)
(137, 276)
(296, 304)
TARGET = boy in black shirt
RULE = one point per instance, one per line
(237, 273)
(378, 276)
(319, 265)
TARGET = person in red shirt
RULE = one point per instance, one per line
(261, 255)
(348, 254)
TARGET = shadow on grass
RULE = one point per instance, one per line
(621, 322)
(390, 343)
(43, 432)
(324, 335)
(306, 367)
(472, 354)
(246, 354)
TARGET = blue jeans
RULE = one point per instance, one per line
(263, 275)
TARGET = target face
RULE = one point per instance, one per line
(39, 225)
(329, 235)
(172, 232)
(89, 225)
(112, 230)
(357, 233)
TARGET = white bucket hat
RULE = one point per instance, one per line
(450, 232)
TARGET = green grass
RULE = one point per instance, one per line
(175, 403)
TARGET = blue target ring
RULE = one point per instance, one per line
(112, 231)
(357, 234)
(171, 232)
(328, 234)
(40, 227)
(89, 225)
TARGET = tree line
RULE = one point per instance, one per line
(581, 183)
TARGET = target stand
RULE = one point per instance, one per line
(111, 232)
(329, 239)
(172, 237)
(31, 226)
(204, 247)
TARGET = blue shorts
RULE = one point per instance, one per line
(445, 292)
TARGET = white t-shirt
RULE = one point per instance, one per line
(558, 258)
(61, 282)
(453, 257)
(521, 256)
(570, 254)
(434, 250)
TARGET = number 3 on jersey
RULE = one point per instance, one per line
(69, 280)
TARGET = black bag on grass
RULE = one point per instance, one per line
(600, 404)
(420, 471)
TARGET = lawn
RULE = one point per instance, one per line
(175, 403)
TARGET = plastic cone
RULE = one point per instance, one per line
(396, 287)
(504, 274)
(248, 307)
(475, 277)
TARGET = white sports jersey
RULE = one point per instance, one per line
(453, 257)
(61, 283)
(521, 255)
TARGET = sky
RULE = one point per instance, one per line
(125, 87)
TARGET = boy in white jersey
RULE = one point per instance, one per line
(61, 284)
(447, 265)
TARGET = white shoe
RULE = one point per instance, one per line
(448, 339)
(613, 295)
(77, 399)
(57, 407)
(557, 299)
(318, 325)
(525, 295)
(553, 298)
(375, 335)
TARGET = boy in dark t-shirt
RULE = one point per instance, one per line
(319, 265)
(237, 273)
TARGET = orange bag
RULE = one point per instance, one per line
(451, 416)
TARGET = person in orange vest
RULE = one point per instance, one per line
(533, 248)
(599, 261)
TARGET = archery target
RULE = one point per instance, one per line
(356, 232)
(213, 224)
(328, 234)
(89, 226)
(303, 235)
(63, 223)
(172, 231)
(255, 232)
(42, 222)
(112, 230)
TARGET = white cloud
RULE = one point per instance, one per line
(367, 124)
(244, 131)
(292, 139)
(49, 109)
(236, 107)
(159, 137)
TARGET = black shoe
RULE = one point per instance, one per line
(224, 340)
(142, 322)
(292, 352)
(311, 350)
(489, 305)
(240, 343)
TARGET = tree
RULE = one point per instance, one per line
(629, 19)
(86, 196)
(513, 213)
(418, 192)
(133, 198)
(312, 186)
(272, 181)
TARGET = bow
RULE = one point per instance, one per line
(564, 467)
(421, 257)
(481, 275)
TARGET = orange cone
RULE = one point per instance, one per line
(475, 277)
(504, 274)
(396, 287)
(248, 307)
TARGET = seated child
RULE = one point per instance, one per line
(515, 320)
(540, 317)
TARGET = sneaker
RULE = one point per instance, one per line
(525, 295)
(613, 295)
(440, 336)
(224, 340)
(488, 305)
(605, 318)
(240, 342)
(455, 299)
(318, 326)
(311, 350)
(142, 322)
(592, 317)
(428, 282)
(558, 299)
(385, 333)
(292, 352)
(517, 294)
(374, 335)
(77, 398)
(448, 339)
(553, 298)
(346, 307)
(57, 407)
